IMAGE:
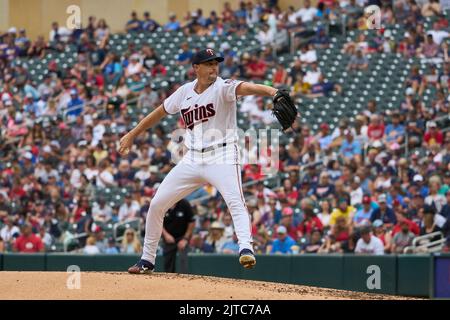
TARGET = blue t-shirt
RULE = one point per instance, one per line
(75, 103)
(283, 246)
(172, 26)
(362, 215)
(134, 21)
(350, 149)
(399, 129)
(231, 245)
(185, 55)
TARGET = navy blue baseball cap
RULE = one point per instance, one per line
(205, 56)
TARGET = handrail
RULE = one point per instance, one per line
(429, 246)
(124, 223)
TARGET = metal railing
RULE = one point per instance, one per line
(130, 223)
(424, 244)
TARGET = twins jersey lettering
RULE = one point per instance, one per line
(214, 110)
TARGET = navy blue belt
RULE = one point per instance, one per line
(210, 148)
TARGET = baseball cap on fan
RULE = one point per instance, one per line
(206, 55)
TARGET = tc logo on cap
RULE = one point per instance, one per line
(210, 52)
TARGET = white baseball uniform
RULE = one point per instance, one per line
(210, 120)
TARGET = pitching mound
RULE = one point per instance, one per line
(159, 286)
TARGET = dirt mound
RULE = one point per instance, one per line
(158, 286)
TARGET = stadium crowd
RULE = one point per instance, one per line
(344, 189)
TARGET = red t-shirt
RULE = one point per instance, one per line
(306, 227)
(29, 244)
(437, 137)
(413, 227)
(375, 132)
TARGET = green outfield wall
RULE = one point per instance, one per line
(408, 275)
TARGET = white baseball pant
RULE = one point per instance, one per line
(185, 178)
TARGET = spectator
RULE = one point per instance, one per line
(148, 24)
(376, 129)
(369, 244)
(308, 55)
(173, 24)
(323, 88)
(231, 246)
(433, 135)
(429, 225)
(287, 221)
(431, 8)
(363, 215)
(112, 247)
(255, 68)
(46, 238)
(91, 247)
(9, 232)
(131, 242)
(395, 131)
(358, 62)
(434, 198)
(134, 24)
(437, 33)
(325, 213)
(129, 209)
(321, 40)
(216, 237)
(380, 231)
(279, 78)
(312, 76)
(307, 13)
(445, 211)
(341, 234)
(134, 67)
(310, 222)
(101, 211)
(101, 31)
(384, 212)
(75, 106)
(28, 242)
(185, 57)
(283, 243)
(350, 148)
(402, 239)
(314, 243)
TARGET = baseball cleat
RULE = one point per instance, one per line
(142, 267)
(247, 258)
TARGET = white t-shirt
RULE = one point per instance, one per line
(438, 35)
(91, 173)
(438, 199)
(105, 175)
(375, 246)
(98, 212)
(209, 117)
(265, 38)
(307, 14)
(356, 196)
(98, 131)
(6, 233)
(75, 178)
(89, 249)
(127, 212)
(248, 104)
(312, 77)
(309, 57)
